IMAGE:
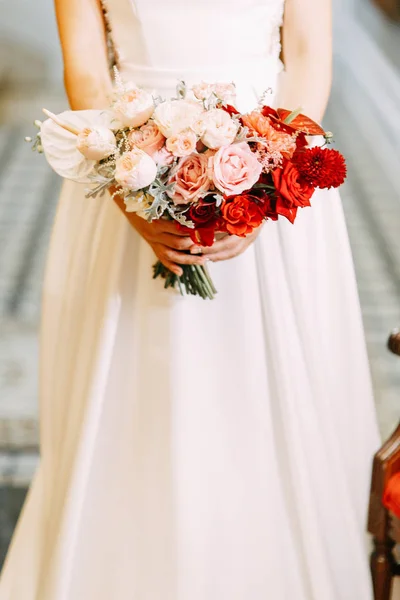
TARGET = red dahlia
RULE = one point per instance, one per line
(321, 167)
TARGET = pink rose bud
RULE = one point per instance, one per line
(182, 144)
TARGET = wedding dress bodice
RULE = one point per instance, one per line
(159, 42)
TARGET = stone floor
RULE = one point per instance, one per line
(364, 113)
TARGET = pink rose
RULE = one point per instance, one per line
(163, 158)
(148, 138)
(191, 178)
(235, 169)
(182, 144)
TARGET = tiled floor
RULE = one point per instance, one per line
(364, 113)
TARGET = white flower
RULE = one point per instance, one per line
(96, 142)
(59, 144)
(182, 144)
(135, 170)
(226, 92)
(134, 107)
(176, 115)
(139, 203)
(202, 90)
(218, 128)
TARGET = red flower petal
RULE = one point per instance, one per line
(301, 123)
(321, 167)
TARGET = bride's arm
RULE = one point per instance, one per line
(88, 85)
(84, 48)
(307, 55)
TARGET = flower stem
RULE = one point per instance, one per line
(195, 280)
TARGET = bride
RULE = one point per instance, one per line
(191, 449)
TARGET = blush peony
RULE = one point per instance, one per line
(217, 128)
(96, 143)
(135, 170)
(235, 169)
(175, 116)
(134, 107)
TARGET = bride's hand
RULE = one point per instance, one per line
(168, 243)
(228, 246)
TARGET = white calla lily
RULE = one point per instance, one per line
(60, 142)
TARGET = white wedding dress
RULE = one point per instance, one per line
(191, 449)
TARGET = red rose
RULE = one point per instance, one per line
(203, 214)
(242, 214)
(292, 190)
(268, 205)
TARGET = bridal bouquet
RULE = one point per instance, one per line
(194, 159)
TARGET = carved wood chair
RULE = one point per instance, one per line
(383, 525)
(390, 7)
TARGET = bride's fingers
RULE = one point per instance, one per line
(225, 244)
(164, 226)
(176, 242)
(170, 256)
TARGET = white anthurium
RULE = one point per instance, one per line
(59, 140)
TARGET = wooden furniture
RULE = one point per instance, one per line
(390, 7)
(384, 526)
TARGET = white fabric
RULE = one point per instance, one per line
(198, 450)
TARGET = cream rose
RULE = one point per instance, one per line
(202, 90)
(226, 92)
(134, 107)
(138, 203)
(218, 129)
(182, 144)
(175, 116)
(135, 170)
(191, 177)
(96, 143)
(235, 169)
(148, 138)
